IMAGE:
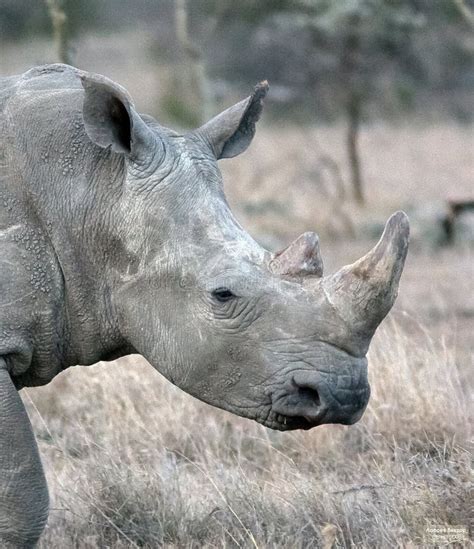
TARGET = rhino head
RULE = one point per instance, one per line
(265, 336)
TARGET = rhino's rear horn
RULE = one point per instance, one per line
(364, 292)
(302, 257)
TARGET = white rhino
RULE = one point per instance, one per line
(116, 238)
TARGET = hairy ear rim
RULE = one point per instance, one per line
(241, 138)
(230, 132)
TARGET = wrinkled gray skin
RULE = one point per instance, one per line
(116, 237)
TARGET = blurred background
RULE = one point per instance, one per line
(363, 94)
(370, 110)
(371, 103)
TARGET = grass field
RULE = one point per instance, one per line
(133, 462)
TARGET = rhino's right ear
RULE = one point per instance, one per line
(110, 119)
(230, 132)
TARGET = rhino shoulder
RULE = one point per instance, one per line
(49, 77)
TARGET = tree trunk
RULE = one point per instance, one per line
(353, 85)
(196, 79)
(465, 11)
(353, 127)
(60, 30)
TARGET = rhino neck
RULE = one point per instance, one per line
(86, 251)
(76, 216)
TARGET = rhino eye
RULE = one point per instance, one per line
(223, 295)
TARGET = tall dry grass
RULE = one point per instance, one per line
(134, 462)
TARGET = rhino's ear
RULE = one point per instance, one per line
(230, 132)
(110, 118)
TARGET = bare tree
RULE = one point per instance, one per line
(350, 54)
(194, 76)
(465, 11)
(346, 46)
(59, 21)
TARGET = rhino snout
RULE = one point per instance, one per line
(309, 399)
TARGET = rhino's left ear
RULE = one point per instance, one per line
(230, 132)
(111, 120)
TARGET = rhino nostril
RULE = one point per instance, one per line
(302, 401)
(310, 395)
(306, 391)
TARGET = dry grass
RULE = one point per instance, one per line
(132, 461)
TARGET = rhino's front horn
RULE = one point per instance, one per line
(364, 292)
(302, 257)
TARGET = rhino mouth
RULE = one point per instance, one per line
(284, 422)
(290, 423)
(308, 400)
